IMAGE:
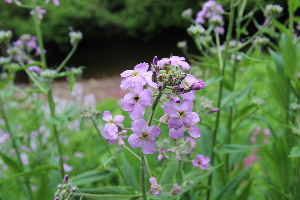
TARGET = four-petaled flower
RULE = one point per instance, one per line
(201, 161)
(180, 114)
(140, 74)
(112, 126)
(174, 60)
(143, 136)
(136, 101)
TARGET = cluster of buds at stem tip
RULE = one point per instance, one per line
(65, 191)
(89, 113)
(5, 36)
(75, 37)
(273, 11)
(195, 30)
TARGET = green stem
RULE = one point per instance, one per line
(108, 195)
(220, 94)
(55, 132)
(14, 143)
(134, 154)
(64, 62)
(39, 36)
(153, 107)
(142, 176)
(108, 150)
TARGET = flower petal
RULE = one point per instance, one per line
(106, 116)
(119, 118)
(135, 141)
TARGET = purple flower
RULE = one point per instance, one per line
(192, 128)
(139, 74)
(191, 83)
(118, 138)
(143, 136)
(176, 189)
(209, 9)
(155, 189)
(113, 124)
(55, 2)
(36, 69)
(67, 168)
(201, 161)
(8, 1)
(4, 137)
(220, 30)
(174, 60)
(180, 114)
(136, 101)
(248, 161)
(39, 11)
(189, 95)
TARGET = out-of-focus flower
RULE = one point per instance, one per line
(75, 37)
(67, 168)
(272, 11)
(39, 12)
(201, 161)
(176, 189)
(248, 161)
(155, 189)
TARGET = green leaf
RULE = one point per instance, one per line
(37, 170)
(235, 148)
(213, 81)
(109, 190)
(90, 177)
(295, 152)
(169, 172)
(280, 26)
(129, 174)
(293, 5)
(228, 191)
(12, 164)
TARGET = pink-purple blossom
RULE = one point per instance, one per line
(201, 161)
(136, 101)
(155, 189)
(140, 74)
(112, 126)
(143, 136)
(174, 60)
(191, 83)
(39, 12)
(176, 189)
(180, 114)
(209, 9)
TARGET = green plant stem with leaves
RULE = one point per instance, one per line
(223, 64)
(39, 36)
(51, 103)
(108, 150)
(15, 146)
(64, 62)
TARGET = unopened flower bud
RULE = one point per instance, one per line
(48, 73)
(154, 76)
(75, 37)
(176, 99)
(74, 189)
(187, 13)
(195, 30)
(155, 60)
(272, 11)
(5, 36)
(198, 85)
(66, 178)
(182, 45)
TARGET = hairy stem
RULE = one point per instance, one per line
(39, 35)
(108, 150)
(55, 132)
(64, 62)
(220, 94)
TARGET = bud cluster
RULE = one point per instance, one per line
(75, 37)
(5, 36)
(273, 11)
(65, 191)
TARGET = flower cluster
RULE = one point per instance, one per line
(211, 11)
(272, 11)
(169, 77)
(201, 161)
(66, 190)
